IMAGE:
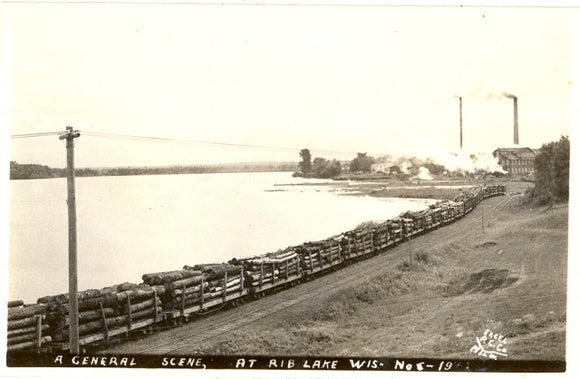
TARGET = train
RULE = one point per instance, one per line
(173, 297)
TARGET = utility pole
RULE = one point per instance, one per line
(482, 219)
(410, 252)
(460, 123)
(70, 135)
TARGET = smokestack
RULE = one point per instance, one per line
(516, 132)
(460, 123)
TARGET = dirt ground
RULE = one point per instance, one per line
(431, 297)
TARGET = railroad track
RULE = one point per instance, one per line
(180, 340)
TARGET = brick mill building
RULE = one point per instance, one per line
(515, 160)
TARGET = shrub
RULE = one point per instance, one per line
(552, 170)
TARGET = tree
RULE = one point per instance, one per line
(306, 164)
(333, 169)
(552, 169)
(361, 163)
(323, 168)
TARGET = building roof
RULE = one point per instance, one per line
(514, 153)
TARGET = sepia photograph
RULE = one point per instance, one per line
(287, 188)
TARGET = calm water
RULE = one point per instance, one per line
(128, 226)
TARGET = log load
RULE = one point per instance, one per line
(177, 282)
(24, 312)
(15, 303)
(194, 285)
(270, 267)
(26, 327)
(216, 270)
(88, 328)
(17, 332)
(169, 276)
(323, 253)
(99, 309)
(29, 344)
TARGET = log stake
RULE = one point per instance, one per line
(38, 330)
(225, 285)
(104, 318)
(129, 315)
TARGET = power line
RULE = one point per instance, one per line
(30, 135)
(141, 138)
(200, 142)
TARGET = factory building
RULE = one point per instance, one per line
(515, 160)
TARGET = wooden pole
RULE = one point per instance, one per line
(155, 306)
(201, 293)
(482, 219)
(242, 281)
(105, 326)
(38, 331)
(130, 315)
(225, 286)
(72, 239)
(261, 275)
(410, 252)
(460, 123)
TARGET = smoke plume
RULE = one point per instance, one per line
(499, 96)
(438, 163)
(509, 95)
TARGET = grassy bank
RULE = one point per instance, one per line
(510, 279)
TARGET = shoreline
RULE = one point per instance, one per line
(437, 189)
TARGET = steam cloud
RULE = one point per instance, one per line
(436, 163)
(424, 174)
(509, 95)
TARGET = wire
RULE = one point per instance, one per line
(199, 142)
(30, 135)
(176, 141)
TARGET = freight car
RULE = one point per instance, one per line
(176, 296)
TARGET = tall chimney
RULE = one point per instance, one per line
(460, 123)
(516, 135)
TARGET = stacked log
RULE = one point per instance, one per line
(457, 209)
(381, 235)
(104, 309)
(395, 229)
(269, 268)
(421, 219)
(223, 279)
(359, 242)
(321, 254)
(15, 303)
(182, 287)
(408, 226)
(161, 278)
(195, 285)
(445, 211)
(26, 326)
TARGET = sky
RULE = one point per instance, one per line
(335, 79)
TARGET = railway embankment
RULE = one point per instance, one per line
(431, 297)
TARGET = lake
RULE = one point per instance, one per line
(131, 225)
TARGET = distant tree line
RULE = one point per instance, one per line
(36, 171)
(552, 170)
(32, 171)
